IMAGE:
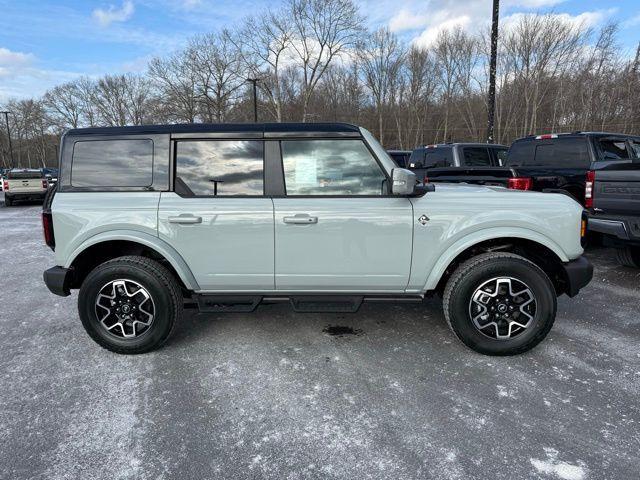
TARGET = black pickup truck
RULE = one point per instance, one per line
(614, 207)
(560, 163)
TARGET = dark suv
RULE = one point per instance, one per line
(456, 155)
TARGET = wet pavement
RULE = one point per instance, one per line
(386, 393)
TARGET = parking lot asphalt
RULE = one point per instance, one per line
(274, 395)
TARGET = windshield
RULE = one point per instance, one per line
(380, 152)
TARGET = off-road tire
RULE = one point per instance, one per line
(629, 256)
(472, 274)
(156, 279)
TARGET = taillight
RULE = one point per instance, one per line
(519, 183)
(47, 228)
(5, 185)
(588, 189)
(44, 184)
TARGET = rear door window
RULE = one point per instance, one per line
(614, 149)
(476, 157)
(217, 168)
(560, 153)
(112, 163)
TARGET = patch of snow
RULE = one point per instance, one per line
(559, 468)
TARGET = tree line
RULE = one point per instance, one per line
(316, 61)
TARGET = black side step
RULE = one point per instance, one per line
(326, 303)
(228, 303)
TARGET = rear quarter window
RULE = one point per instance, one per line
(557, 152)
(562, 153)
(112, 163)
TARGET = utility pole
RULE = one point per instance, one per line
(255, 81)
(491, 101)
(6, 119)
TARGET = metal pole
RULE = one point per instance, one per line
(491, 101)
(6, 119)
(255, 81)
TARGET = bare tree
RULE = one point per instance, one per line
(263, 42)
(314, 64)
(176, 80)
(218, 67)
(381, 58)
(30, 124)
(322, 31)
(540, 47)
(446, 67)
(121, 99)
(420, 79)
(64, 103)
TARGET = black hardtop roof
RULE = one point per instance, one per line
(575, 134)
(219, 128)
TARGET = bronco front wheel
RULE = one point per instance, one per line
(500, 304)
(130, 304)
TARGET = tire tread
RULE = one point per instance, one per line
(465, 268)
(164, 276)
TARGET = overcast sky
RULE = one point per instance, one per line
(43, 43)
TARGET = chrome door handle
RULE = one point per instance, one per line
(185, 219)
(300, 219)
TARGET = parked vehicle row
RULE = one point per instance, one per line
(557, 163)
(231, 216)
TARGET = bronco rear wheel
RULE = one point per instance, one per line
(130, 304)
(499, 304)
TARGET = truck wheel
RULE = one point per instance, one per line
(499, 304)
(629, 256)
(130, 304)
(7, 201)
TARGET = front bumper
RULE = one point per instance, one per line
(58, 279)
(578, 273)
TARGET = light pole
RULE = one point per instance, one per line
(491, 101)
(6, 119)
(255, 81)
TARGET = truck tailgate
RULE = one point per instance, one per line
(25, 185)
(617, 191)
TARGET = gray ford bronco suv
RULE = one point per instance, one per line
(147, 219)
